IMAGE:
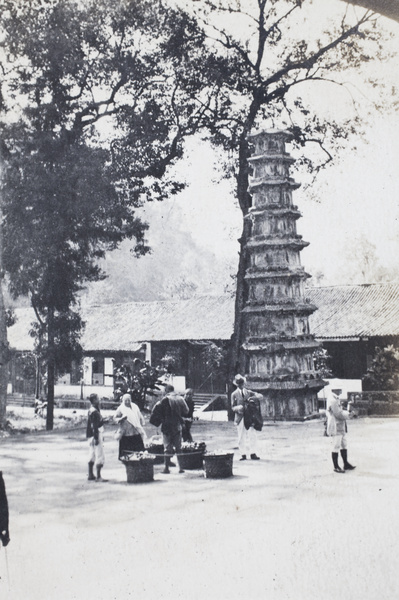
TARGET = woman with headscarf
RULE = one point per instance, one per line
(131, 433)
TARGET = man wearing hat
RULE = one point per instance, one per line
(247, 438)
(337, 429)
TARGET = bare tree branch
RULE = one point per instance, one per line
(309, 62)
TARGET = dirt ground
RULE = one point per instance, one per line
(285, 527)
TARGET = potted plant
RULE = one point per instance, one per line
(139, 466)
(155, 447)
(191, 455)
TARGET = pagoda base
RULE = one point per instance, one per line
(287, 400)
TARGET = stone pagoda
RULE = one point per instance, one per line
(278, 346)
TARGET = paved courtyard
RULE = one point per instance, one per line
(285, 527)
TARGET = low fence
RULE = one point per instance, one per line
(375, 403)
(64, 402)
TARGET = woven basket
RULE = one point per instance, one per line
(191, 460)
(139, 471)
(218, 466)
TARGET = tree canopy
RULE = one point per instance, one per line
(383, 373)
(92, 116)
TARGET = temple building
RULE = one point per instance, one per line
(276, 339)
(350, 323)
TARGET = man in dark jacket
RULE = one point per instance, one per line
(4, 533)
(173, 409)
(188, 421)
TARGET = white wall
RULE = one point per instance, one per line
(346, 385)
(103, 391)
(108, 371)
(87, 369)
(178, 382)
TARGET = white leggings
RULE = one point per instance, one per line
(96, 453)
(338, 441)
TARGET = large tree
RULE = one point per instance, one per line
(93, 115)
(3, 327)
(274, 58)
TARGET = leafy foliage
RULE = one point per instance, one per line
(26, 365)
(92, 116)
(172, 361)
(321, 360)
(214, 356)
(383, 375)
(139, 380)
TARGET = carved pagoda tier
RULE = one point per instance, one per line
(278, 346)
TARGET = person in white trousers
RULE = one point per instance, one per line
(247, 438)
(337, 430)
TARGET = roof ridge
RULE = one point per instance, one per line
(354, 285)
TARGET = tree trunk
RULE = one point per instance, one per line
(3, 331)
(37, 378)
(236, 359)
(3, 356)
(50, 370)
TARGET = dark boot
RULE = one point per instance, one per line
(347, 466)
(91, 473)
(254, 457)
(337, 468)
(99, 478)
(167, 463)
(243, 457)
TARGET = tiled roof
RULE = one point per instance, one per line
(354, 311)
(123, 326)
(118, 326)
(344, 312)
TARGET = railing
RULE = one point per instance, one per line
(212, 385)
(202, 400)
(375, 403)
(65, 402)
(20, 400)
